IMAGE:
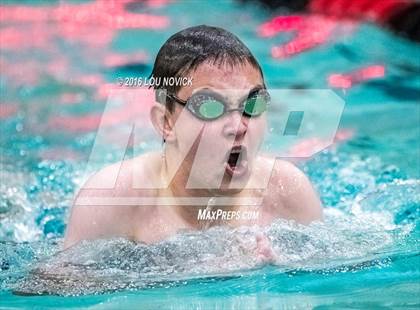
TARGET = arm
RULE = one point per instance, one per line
(86, 222)
(90, 220)
(292, 188)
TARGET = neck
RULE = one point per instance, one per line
(188, 202)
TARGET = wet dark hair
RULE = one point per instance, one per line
(184, 51)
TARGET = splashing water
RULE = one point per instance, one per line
(367, 235)
(365, 252)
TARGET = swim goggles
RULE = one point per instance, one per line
(208, 106)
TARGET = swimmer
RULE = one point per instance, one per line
(216, 61)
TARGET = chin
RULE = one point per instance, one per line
(225, 191)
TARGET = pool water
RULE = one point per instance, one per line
(55, 74)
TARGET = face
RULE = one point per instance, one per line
(219, 154)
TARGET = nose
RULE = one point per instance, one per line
(236, 125)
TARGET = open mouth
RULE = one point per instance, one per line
(236, 162)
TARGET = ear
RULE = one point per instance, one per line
(163, 122)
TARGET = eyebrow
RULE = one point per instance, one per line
(218, 95)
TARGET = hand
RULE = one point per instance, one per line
(264, 250)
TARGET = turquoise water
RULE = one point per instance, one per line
(364, 255)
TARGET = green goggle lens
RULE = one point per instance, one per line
(211, 109)
(256, 106)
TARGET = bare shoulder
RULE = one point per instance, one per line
(99, 209)
(291, 195)
(126, 174)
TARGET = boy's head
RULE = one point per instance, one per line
(222, 127)
(184, 51)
